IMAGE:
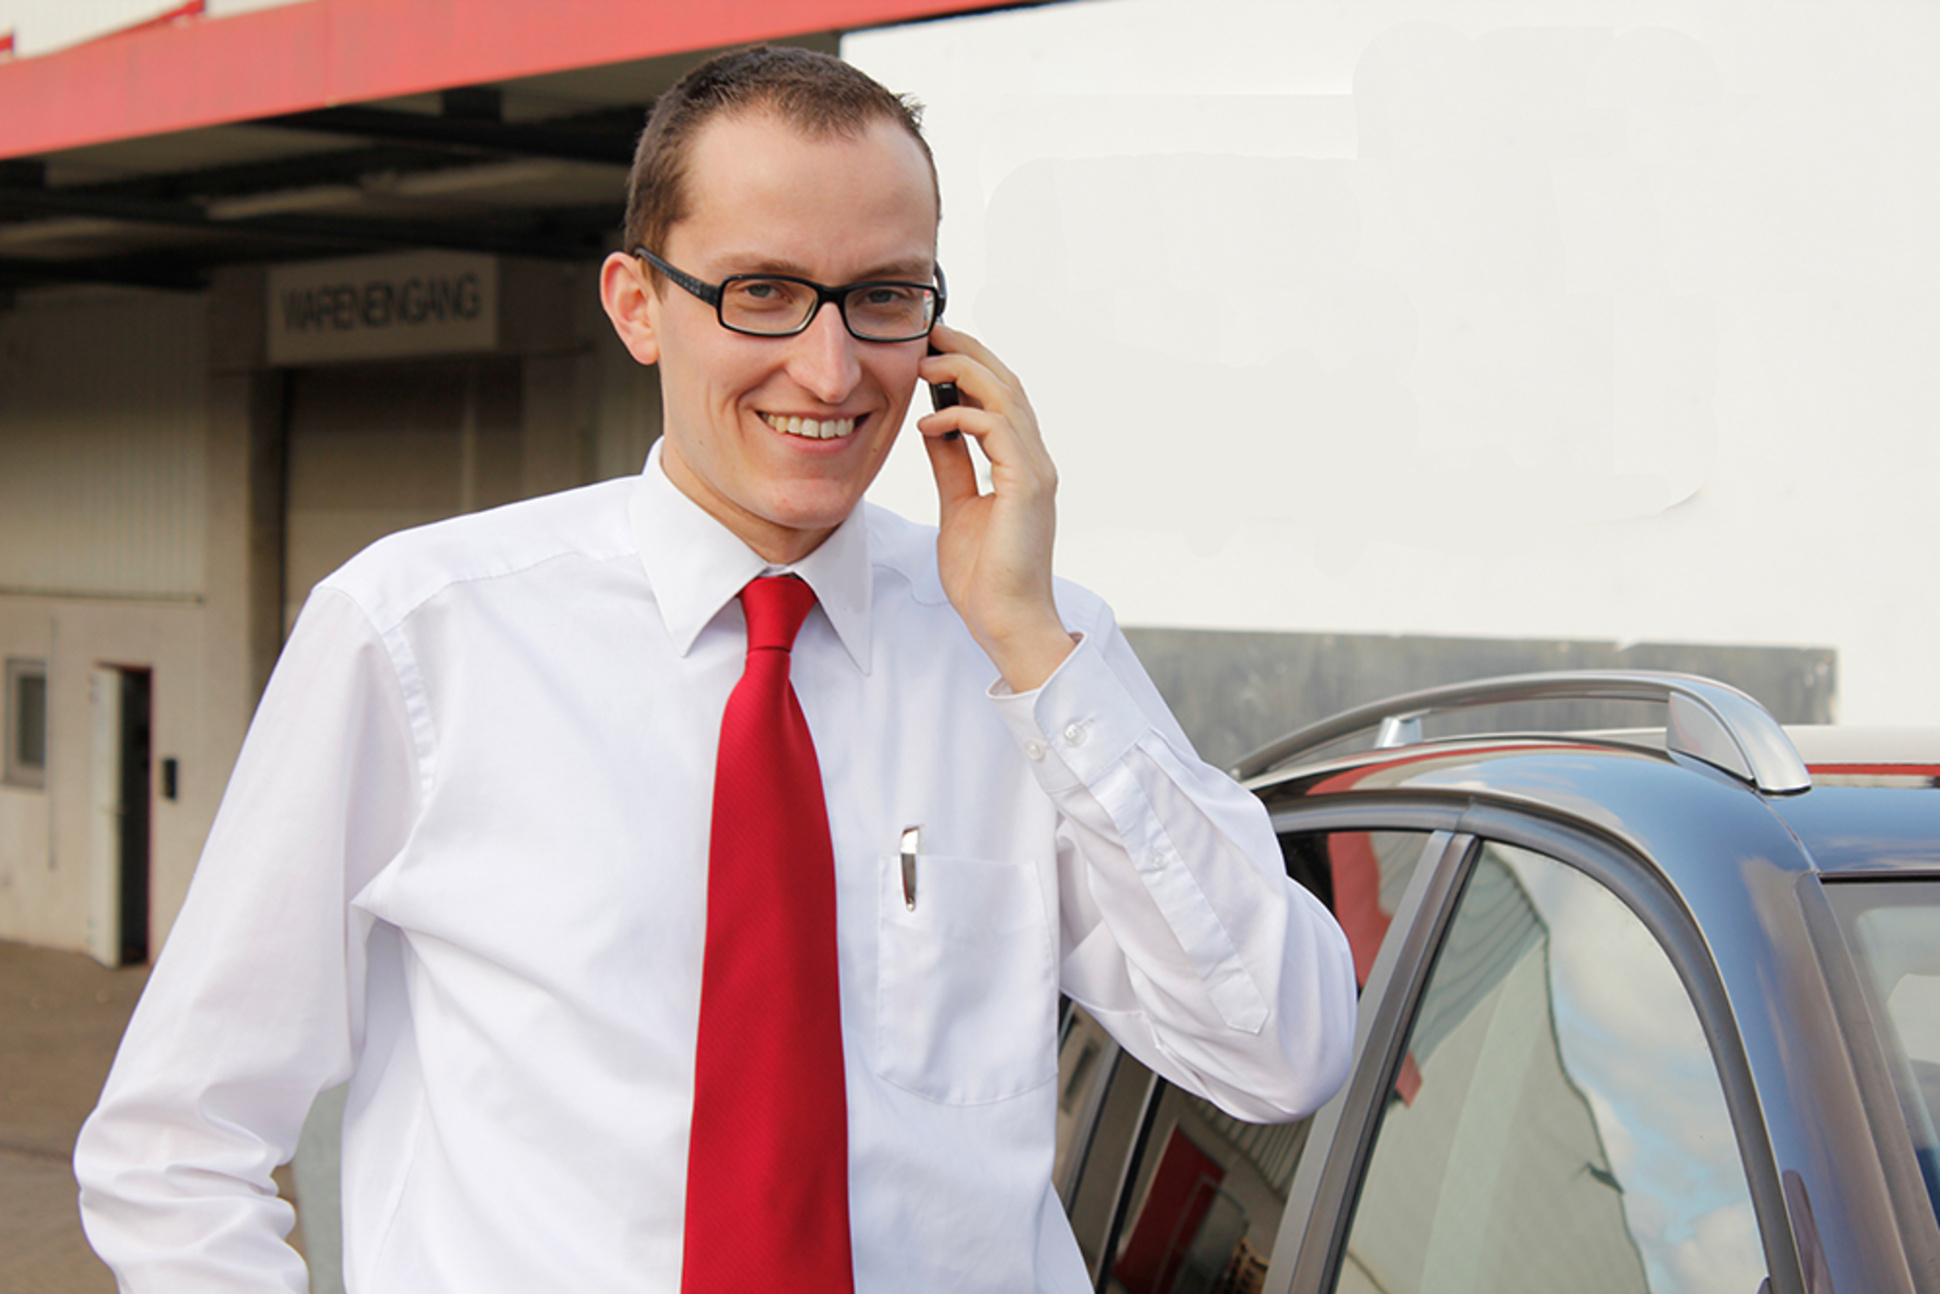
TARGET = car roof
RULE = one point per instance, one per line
(1870, 808)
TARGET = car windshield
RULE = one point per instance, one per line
(1894, 931)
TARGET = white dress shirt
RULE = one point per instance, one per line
(462, 865)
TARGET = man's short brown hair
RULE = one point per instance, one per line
(817, 94)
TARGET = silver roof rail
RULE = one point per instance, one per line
(1708, 720)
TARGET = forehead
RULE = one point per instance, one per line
(831, 204)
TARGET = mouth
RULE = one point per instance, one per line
(811, 428)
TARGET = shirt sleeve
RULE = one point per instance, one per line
(1179, 928)
(254, 1005)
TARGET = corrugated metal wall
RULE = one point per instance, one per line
(379, 447)
(103, 424)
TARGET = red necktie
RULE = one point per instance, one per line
(768, 1163)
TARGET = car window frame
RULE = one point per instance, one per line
(1310, 1246)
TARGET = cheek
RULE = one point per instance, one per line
(896, 374)
(713, 365)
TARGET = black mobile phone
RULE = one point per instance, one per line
(942, 394)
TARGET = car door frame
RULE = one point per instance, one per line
(1311, 1242)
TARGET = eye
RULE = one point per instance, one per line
(764, 294)
(891, 306)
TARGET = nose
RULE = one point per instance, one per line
(823, 360)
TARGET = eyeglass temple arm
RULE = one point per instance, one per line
(705, 291)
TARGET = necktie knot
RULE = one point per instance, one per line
(775, 606)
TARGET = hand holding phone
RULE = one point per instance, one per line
(996, 518)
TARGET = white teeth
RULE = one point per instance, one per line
(810, 428)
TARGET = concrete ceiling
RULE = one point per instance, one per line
(529, 167)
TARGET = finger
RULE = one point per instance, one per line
(953, 369)
(992, 389)
(956, 475)
(955, 341)
(949, 423)
(976, 382)
(975, 370)
(981, 390)
(1017, 462)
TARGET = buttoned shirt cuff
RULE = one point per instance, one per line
(1079, 731)
(1076, 726)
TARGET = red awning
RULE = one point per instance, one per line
(201, 71)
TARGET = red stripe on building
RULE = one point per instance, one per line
(192, 9)
(1879, 770)
(175, 75)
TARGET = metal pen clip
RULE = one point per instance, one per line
(912, 842)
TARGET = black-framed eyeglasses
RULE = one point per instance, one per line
(781, 305)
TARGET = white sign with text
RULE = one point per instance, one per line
(383, 307)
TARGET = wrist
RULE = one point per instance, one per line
(1028, 658)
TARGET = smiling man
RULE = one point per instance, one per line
(683, 871)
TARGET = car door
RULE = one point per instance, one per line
(1536, 1104)
(1165, 1191)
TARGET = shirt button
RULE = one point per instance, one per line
(1156, 859)
(1035, 749)
(1074, 734)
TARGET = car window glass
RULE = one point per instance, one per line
(1895, 930)
(1102, 1097)
(1557, 1122)
(1207, 1199)
(1208, 1190)
(1360, 876)
(1087, 1056)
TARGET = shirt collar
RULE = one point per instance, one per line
(696, 565)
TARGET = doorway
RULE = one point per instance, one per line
(120, 701)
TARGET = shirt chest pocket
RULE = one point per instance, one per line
(966, 982)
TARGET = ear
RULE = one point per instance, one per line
(631, 305)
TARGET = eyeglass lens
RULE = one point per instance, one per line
(875, 311)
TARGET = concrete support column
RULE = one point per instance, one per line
(556, 452)
(244, 563)
(537, 323)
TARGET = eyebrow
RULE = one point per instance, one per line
(899, 272)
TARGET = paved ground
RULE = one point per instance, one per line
(61, 1015)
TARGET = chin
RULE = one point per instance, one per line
(810, 519)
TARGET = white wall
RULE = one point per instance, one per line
(45, 833)
(1576, 320)
(44, 26)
